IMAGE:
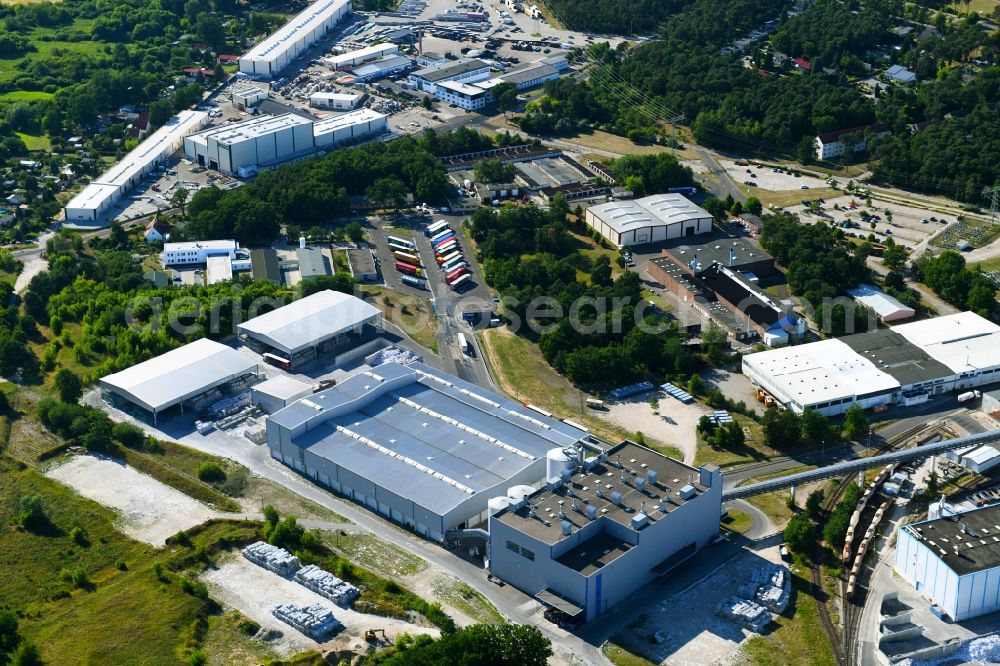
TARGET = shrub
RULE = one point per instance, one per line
(128, 435)
(160, 573)
(121, 566)
(79, 536)
(248, 626)
(31, 514)
(211, 472)
(197, 658)
(194, 587)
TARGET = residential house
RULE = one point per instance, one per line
(157, 231)
(830, 144)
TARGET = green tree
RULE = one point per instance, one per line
(160, 112)
(69, 385)
(31, 513)
(128, 435)
(427, 103)
(342, 282)
(600, 274)
(180, 198)
(753, 205)
(493, 171)
(480, 645)
(800, 534)
(354, 231)
(27, 654)
(814, 504)
(894, 257)
(815, 427)
(8, 631)
(387, 191)
(781, 427)
(211, 472)
(855, 423)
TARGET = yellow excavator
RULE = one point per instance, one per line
(371, 635)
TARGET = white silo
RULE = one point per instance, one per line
(556, 462)
(518, 493)
(496, 504)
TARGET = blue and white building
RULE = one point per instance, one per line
(606, 524)
(954, 560)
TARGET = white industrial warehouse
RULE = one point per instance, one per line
(360, 56)
(317, 324)
(97, 198)
(954, 561)
(274, 52)
(244, 147)
(604, 526)
(260, 141)
(420, 447)
(906, 365)
(649, 220)
(201, 372)
(197, 252)
(335, 101)
(887, 307)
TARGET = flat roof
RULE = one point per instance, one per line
(381, 65)
(715, 248)
(758, 306)
(272, 46)
(652, 211)
(349, 119)
(310, 320)
(264, 264)
(463, 88)
(218, 269)
(821, 371)
(154, 147)
(529, 73)
(896, 356)
(963, 341)
(884, 305)
(342, 97)
(179, 374)
(282, 387)
(361, 262)
(436, 73)
(313, 261)
(594, 487)
(966, 543)
(184, 246)
(431, 438)
(374, 49)
(249, 129)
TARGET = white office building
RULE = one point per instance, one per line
(649, 220)
(274, 52)
(335, 101)
(95, 200)
(197, 252)
(954, 561)
(348, 127)
(463, 71)
(463, 95)
(258, 142)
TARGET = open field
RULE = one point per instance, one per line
(86, 625)
(376, 554)
(410, 313)
(150, 511)
(32, 142)
(465, 599)
(25, 95)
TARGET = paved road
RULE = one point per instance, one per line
(727, 186)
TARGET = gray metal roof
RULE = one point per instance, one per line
(179, 374)
(436, 73)
(966, 543)
(896, 356)
(434, 428)
(309, 321)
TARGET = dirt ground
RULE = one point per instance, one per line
(674, 425)
(683, 630)
(151, 511)
(254, 591)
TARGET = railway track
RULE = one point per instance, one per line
(842, 640)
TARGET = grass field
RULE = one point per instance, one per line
(374, 553)
(25, 95)
(467, 600)
(737, 521)
(792, 197)
(86, 626)
(32, 142)
(82, 50)
(410, 313)
(774, 505)
(619, 656)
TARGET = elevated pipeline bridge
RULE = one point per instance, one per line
(854, 466)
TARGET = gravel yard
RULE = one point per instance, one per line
(151, 511)
(254, 591)
(675, 424)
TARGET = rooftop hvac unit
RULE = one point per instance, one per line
(616, 498)
(651, 476)
(567, 527)
(640, 484)
(592, 512)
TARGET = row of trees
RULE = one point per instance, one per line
(784, 428)
(949, 277)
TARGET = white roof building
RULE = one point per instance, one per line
(981, 459)
(197, 252)
(352, 58)
(929, 357)
(333, 100)
(900, 74)
(260, 141)
(178, 375)
(348, 127)
(96, 199)
(310, 321)
(649, 220)
(885, 306)
(274, 52)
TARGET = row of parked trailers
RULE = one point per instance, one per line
(448, 253)
(408, 265)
